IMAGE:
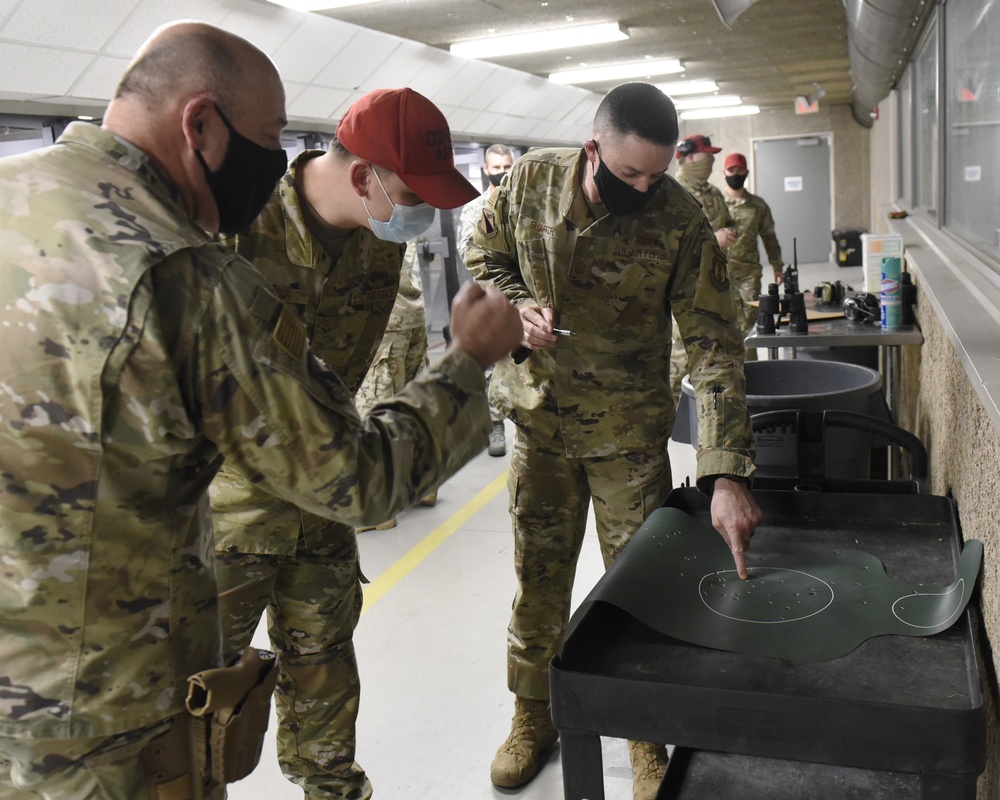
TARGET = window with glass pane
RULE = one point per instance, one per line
(904, 150)
(925, 123)
(972, 95)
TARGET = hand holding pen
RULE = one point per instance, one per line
(538, 330)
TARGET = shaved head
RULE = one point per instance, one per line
(191, 91)
(187, 58)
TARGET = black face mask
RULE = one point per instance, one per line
(495, 179)
(618, 197)
(736, 181)
(244, 181)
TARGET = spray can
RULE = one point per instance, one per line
(892, 292)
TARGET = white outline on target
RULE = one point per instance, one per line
(701, 595)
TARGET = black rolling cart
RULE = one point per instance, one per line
(899, 717)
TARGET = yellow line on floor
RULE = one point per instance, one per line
(379, 587)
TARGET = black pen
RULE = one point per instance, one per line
(564, 331)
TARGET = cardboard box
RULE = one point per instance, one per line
(875, 246)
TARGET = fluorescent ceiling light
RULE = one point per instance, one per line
(733, 111)
(320, 5)
(535, 41)
(687, 87)
(712, 101)
(614, 72)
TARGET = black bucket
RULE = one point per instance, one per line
(804, 385)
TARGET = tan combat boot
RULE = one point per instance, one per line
(498, 440)
(531, 732)
(649, 762)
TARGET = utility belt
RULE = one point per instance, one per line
(219, 739)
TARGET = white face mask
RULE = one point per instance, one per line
(406, 222)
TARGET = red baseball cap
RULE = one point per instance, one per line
(696, 143)
(402, 130)
(735, 160)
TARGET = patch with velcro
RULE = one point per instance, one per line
(290, 333)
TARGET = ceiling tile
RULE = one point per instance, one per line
(468, 77)
(564, 105)
(345, 104)
(264, 24)
(408, 58)
(150, 14)
(100, 79)
(459, 119)
(293, 90)
(569, 132)
(486, 122)
(352, 65)
(40, 70)
(317, 102)
(508, 125)
(60, 23)
(544, 129)
(311, 46)
(519, 92)
(543, 104)
(6, 6)
(436, 71)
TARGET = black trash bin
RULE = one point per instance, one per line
(803, 385)
(848, 246)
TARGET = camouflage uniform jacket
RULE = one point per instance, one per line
(713, 202)
(614, 282)
(471, 212)
(408, 310)
(345, 305)
(752, 217)
(138, 354)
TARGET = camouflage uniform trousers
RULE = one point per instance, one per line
(399, 359)
(98, 768)
(495, 414)
(313, 599)
(549, 498)
(746, 279)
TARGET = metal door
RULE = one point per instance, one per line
(793, 175)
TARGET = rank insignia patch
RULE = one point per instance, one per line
(488, 223)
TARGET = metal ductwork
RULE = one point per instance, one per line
(881, 35)
(729, 10)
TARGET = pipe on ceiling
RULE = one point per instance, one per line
(729, 10)
(881, 35)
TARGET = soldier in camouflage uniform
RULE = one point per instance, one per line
(402, 353)
(695, 159)
(498, 161)
(752, 218)
(600, 241)
(322, 243)
(138, 355)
